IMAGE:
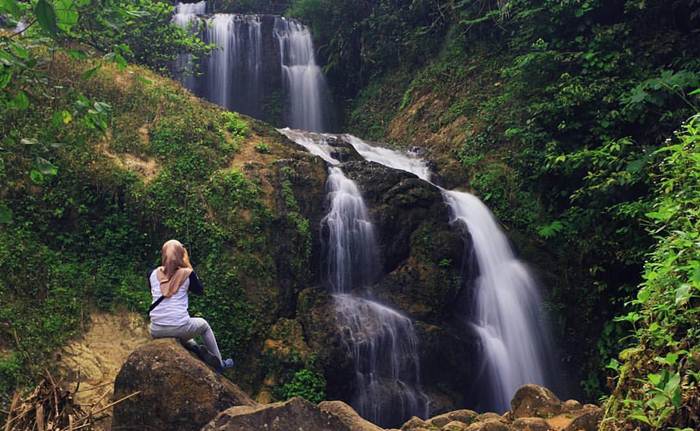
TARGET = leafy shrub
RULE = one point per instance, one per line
(262, 148)
(306, 384)
(235, 124)
(658, 385)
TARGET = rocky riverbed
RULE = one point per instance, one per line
(175, 390)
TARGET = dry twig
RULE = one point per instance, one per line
(50, 407)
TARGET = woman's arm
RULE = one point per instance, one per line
(195, 285)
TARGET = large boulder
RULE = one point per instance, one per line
(464, 416)
(295, 414)
(348, 416)
(532, 403)
(174, 390)
(535, 401)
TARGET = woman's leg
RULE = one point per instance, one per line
(199, 326)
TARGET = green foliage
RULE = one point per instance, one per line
(658, 381)
(136, 30)
(306, 384)
(262, 148)
(139, 31)
(235, 124)
(89, 201)
(360, 39)
(10, 372)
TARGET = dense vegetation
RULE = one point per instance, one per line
(576, 121)
(557, 113)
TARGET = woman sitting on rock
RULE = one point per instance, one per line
(170, 286)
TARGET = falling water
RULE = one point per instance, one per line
(352, 243)
(382, 342)
(187, 16)
(384, 349)
(232, 72)
(408, 162)
(186, 13)
(262, 64)
(507, 313)
(303, 78)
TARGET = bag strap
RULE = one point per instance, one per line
(155, 304)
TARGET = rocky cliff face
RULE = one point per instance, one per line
(421, 259)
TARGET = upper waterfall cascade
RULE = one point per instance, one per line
(263, 66)
(507, 313)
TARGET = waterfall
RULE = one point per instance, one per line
(232, 72)
(186, 13)
(382, 342)
(507, 314)
(384, 348)
(187, 16)
(263, 66)
(351, 240)
(303, 78)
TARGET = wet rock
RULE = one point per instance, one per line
(296, 414)
(421, 252)
(455, 426)
(416, 424)
(531, 424)
(464, 416)
(399, 203)
(534, 400)
(318, 319)
(587, 419)
(299, 196)
(348, 416)
(175, 390)
(342, 150)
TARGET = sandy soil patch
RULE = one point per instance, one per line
(96, 357)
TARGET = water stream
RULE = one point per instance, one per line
(507, 313)
(304, 81)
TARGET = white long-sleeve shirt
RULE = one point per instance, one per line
(172, 311)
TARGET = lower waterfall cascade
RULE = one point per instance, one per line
(383, 342)
(507, 312)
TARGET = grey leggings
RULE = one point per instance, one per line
(196, 326)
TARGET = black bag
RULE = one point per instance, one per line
(155, 304)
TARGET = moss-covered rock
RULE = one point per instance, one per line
(421, 252)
